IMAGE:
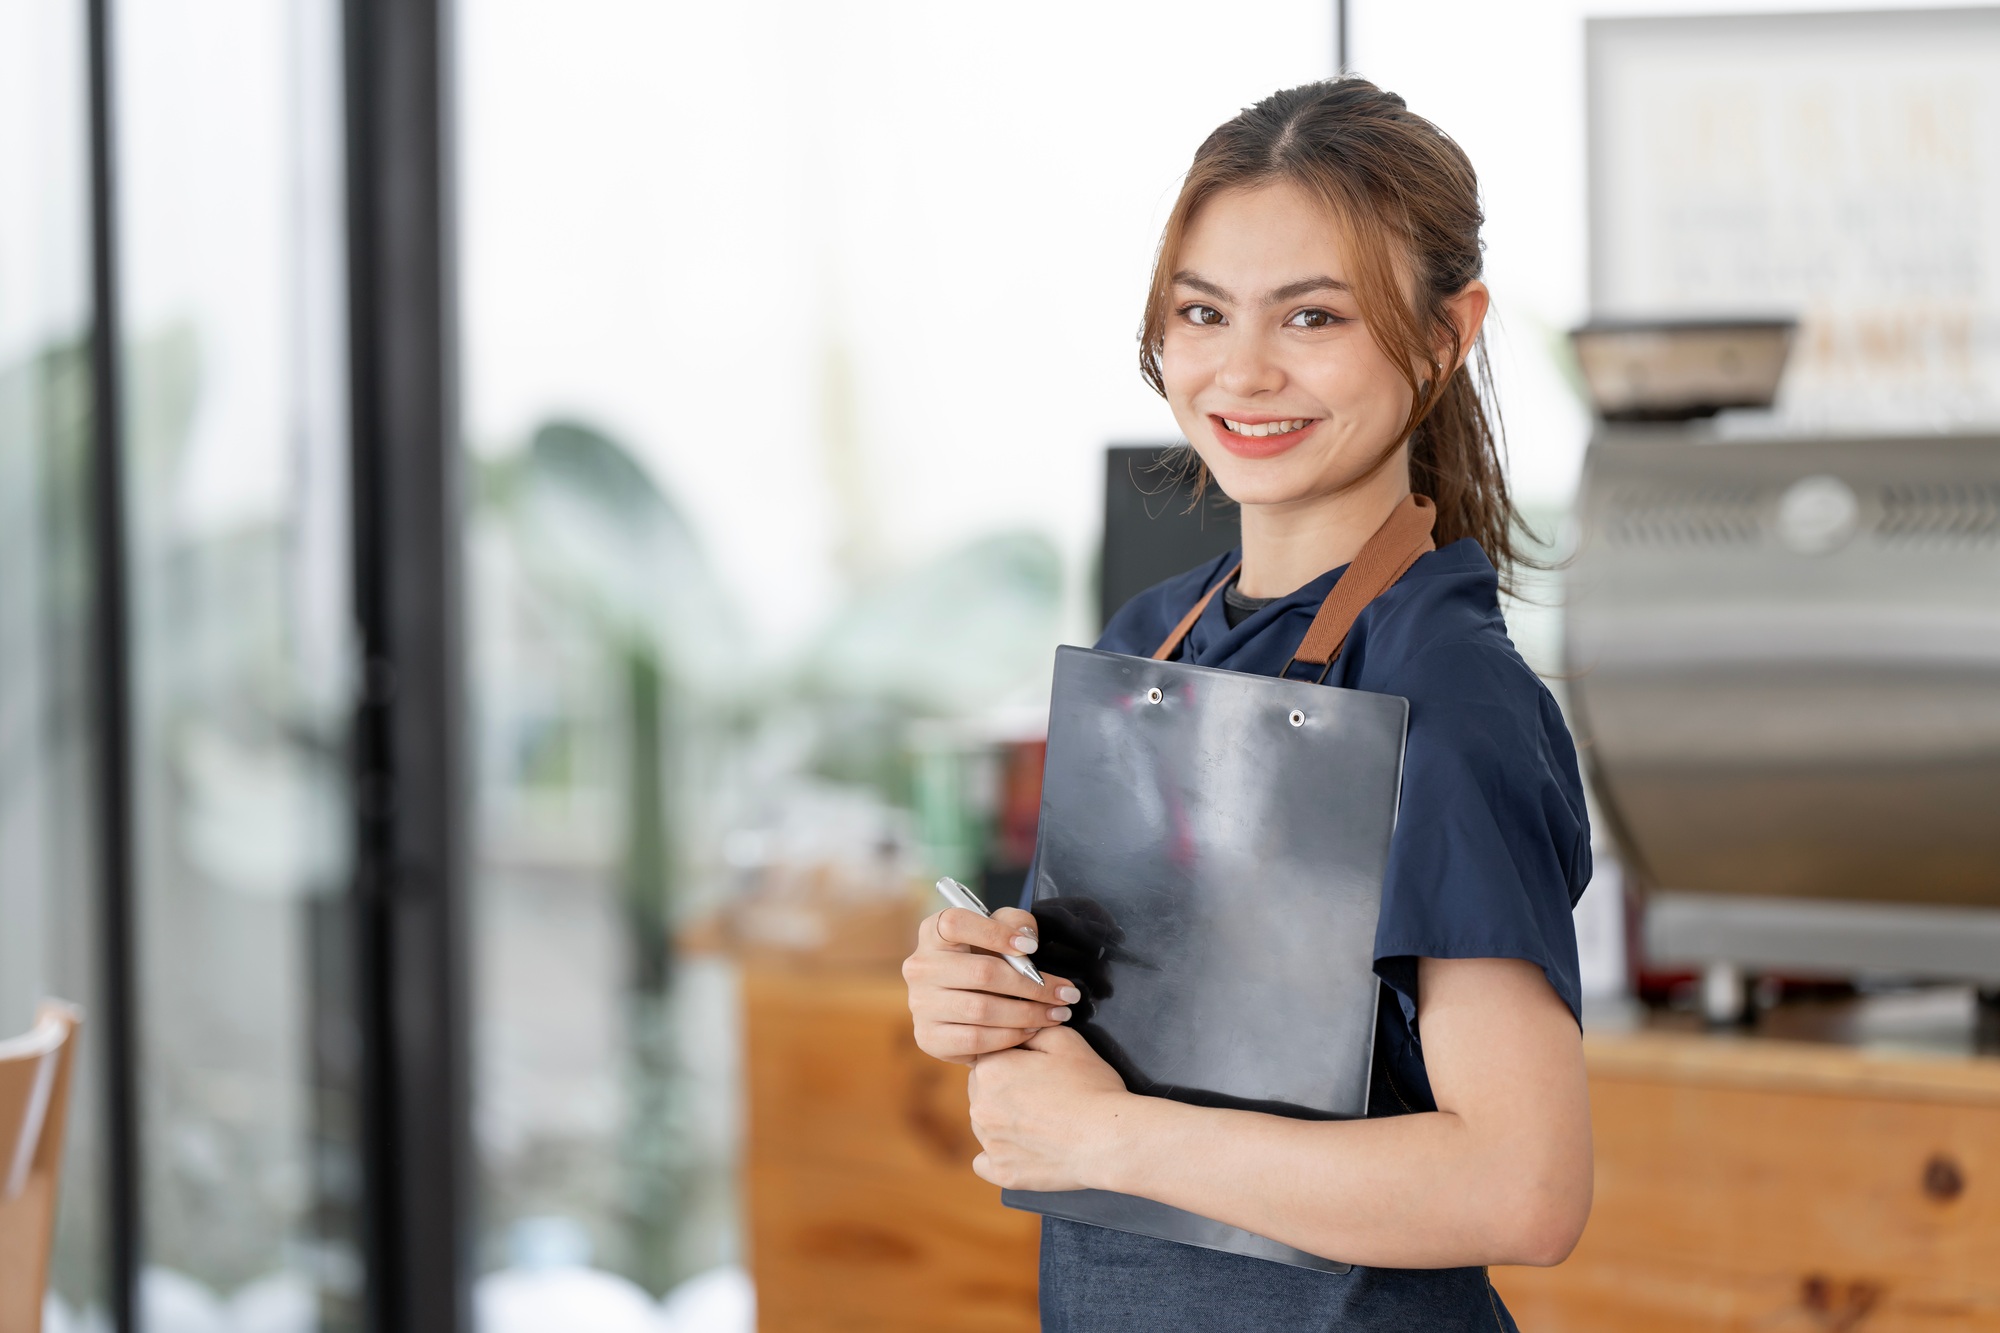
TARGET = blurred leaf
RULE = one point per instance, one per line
(957, 635)
(590, 517)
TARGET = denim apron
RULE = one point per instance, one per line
(1095, 1280)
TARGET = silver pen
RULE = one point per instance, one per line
(959, 896)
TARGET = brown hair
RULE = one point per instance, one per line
(1407, 202)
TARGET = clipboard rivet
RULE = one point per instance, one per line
(1153, 695)
(1298, 718)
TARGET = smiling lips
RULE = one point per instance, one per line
(1260, 439)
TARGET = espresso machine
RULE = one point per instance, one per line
(1783, 656)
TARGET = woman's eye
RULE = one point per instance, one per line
(1314, 318)
(1201, 314)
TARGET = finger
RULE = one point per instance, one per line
(927, 933)
(1058, 990)
(1018, 921)
(958, 928)
(961, 1041)
(1053, 1039)
(983, 1168)
(993, 1011)
(981, 972)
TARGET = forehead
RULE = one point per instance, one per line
(1263, 235)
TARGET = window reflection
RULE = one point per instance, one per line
(48, 878)
(597, 1121)
(236, 508)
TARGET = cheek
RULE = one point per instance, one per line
(1185, 368)
(1386, 399)
(1359, 379)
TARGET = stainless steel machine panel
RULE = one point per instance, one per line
(1785, 661)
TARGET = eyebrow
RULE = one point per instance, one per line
(1289, 291)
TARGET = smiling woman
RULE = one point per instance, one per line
(1335, 234)
(1285, 391)
(1314, 323)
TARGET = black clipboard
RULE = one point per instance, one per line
(1209, 871)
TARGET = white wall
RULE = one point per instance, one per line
(858, 280)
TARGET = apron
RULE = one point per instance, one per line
(1209, 872)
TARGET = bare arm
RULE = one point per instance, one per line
(1499, 1173)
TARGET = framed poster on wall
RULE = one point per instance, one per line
(1842, 168)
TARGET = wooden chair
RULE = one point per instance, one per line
(34, 1104)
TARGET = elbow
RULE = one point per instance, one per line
(1545, 1226)
(1546, 1241)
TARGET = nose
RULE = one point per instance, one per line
(1248, 369)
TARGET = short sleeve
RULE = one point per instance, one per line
(1492, 842)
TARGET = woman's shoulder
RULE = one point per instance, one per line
(1439, 639)
(1443, 613)
(1138, 626)
(1492, 846)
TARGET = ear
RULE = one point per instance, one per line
(1466, 309)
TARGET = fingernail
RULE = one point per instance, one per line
(1024, 943)
(1069, 994)
(1059, 1015)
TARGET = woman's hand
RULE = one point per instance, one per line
(966, 999)
(1047, 1113)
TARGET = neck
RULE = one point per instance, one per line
(1288, 545)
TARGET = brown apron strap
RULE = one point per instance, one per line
(1403, 536)
(1179, 632)
(1386, 556)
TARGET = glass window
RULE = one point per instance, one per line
(242, 658)
(793, 340)
(48, 877)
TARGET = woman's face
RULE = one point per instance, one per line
(1268, 367)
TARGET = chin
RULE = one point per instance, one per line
(1262, 496)
(1255, 485)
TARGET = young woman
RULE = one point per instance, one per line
(1314, 322)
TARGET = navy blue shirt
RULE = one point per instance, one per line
(1491, 852)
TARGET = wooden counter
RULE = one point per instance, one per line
(1751, 1184)
(864, 1214)
(1742, 1184)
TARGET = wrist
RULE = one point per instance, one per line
(1130, 1139)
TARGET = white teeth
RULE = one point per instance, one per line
(1268, 427)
